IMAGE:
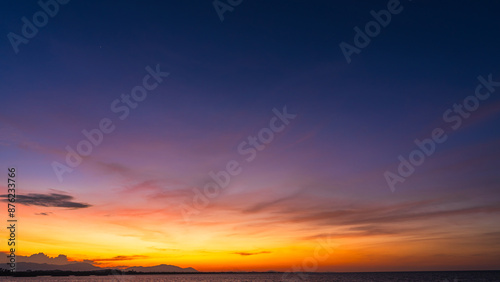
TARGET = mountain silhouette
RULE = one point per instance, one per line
(161, 268)
(82, 266)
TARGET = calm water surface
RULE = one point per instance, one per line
(489, 276)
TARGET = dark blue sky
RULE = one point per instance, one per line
(263, 55)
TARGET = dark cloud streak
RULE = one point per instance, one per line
(49, 200)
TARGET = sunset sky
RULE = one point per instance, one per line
(318, 184)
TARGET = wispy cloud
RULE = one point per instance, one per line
(120, 258)
(263, 205)
(251, 254)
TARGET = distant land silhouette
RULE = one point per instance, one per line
(82, 266)
(160, 268)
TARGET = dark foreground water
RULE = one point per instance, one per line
(461, 276)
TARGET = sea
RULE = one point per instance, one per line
(448, 276)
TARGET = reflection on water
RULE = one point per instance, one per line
(461, 276)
